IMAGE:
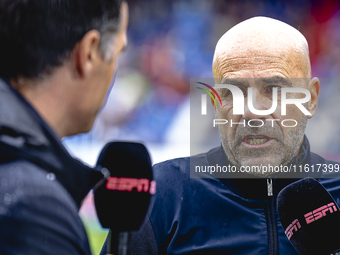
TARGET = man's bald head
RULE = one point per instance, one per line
(260, 44)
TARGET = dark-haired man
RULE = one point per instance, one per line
(57, 62)
(229, 212)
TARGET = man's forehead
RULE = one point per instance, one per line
(274, 80)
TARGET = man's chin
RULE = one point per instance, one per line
(87, 128)
(260, 166)
(84, 128)
(258, 174)
(259, 163)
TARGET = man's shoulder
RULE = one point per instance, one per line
(326, 167)
(35, 206)
(180, 167)
(25, 183)
(171, 173)
(316, 158)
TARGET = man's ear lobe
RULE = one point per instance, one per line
(314, 88)
(87, 53)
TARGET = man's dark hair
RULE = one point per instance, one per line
(38, 35)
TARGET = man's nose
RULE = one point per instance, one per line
(258, 102)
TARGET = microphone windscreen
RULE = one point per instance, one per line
(123, 200)
(310, 217)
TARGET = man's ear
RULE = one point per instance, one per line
(314, 89)
(87, 53)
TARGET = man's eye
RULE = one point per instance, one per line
(244, 91)
(269, 89)
(227, 92)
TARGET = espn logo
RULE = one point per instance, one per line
(310, 217)
(295, 225)
(128, 184)
(320, 212)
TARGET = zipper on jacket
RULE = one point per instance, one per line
(270, 187)
(270, 212)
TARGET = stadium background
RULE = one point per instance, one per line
(173, 41)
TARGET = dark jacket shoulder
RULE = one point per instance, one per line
(37, 213)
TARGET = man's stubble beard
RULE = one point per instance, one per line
(280, 153)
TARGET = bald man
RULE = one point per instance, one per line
(263, 54)
(226, 215)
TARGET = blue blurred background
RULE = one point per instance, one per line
(173, 41)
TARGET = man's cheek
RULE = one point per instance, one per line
(233, 126)
(226, 110)
(277, 117)
(293, 112)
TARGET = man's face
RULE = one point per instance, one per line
(272, 143)
(119, 45)
(101, 77)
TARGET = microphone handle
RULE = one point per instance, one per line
(119, 243)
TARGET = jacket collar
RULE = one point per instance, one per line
(25, 135)
(257, 187)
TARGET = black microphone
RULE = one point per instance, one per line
(310, 217)
(122, 200)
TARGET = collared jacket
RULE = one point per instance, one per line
(41, 185)
(221, 214)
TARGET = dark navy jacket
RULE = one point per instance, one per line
(219, 215)
(41, 185)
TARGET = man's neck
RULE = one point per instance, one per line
(49, 97)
